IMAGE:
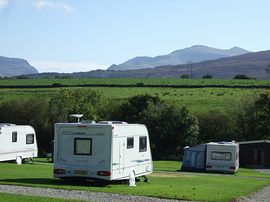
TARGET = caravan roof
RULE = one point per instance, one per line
(223, 143)
(6, 124)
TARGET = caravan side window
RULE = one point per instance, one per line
(224, 156)
(82, 146)
(130, 142)
(14, 136)
(30, 139)
(143, 144)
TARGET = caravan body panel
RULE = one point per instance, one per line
(222, 157)
(212, 157)
(100, 151)
(17, 142)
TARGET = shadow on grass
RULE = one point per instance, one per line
(59, 182)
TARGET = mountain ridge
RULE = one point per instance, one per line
(254, 65)
(191, 54)
(15, 66)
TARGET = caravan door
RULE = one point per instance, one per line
(121, 156)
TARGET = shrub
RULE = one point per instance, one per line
(170, 128)
(207, 76)
(241, 76)
(185, 76)
(86, 102)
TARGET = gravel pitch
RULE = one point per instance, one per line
(77, 195)
(261, 196)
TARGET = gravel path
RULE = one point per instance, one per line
(78, 195)
(261, 196)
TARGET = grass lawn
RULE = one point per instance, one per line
(164, 182)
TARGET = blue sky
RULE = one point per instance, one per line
(80, 35)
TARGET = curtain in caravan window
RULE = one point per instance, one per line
(224, 156)
(30, 139)
(143, 144)
(130, 142)
(83, 146)
(14, 136)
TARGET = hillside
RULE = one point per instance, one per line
(14, 67)
(255, 65)
(193, 54)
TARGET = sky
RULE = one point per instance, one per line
(82, 35)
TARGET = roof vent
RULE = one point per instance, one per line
(78, 116)
(6, 124)
(88, 121)
(112, 122)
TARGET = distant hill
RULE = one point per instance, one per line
(193, 54)
(255, 65)
(15, 67)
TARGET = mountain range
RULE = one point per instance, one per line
(254, 65)
(192, 54)
(198, 61)
(15, 67)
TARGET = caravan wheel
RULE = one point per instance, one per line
(19, 160)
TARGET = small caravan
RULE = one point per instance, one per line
(17, 142)
(105, 150)
(212, 157)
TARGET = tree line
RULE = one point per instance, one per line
(170, 127)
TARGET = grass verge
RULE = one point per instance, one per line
(164, 182)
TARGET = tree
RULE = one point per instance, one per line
(216, 126)
(241, 76)
(185, 76)
(86, 102)
(252, 118)
(134, 110)
(32, 112)
(207, 76)
(170, 128)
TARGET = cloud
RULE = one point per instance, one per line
(66, 67)
(4, 4)
(40, 4)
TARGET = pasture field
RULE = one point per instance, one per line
(195, 99)
(164, 182)
(221, 95)
(134, 81)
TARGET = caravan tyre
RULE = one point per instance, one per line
(19, 160)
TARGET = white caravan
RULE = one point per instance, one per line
(104, 150)
(17, 142)
(222, 156)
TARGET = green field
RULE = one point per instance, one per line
(196, 99)
(164, 182)
(133, 81)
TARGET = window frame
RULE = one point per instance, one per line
(142, 146)
(128, 145)
(221, 159)
(14, 134)
(33, 140)
(75, 146)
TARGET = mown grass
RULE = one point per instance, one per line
(164, 182)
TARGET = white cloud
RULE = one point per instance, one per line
(39, 4)
(66, 67)
(4, 4)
